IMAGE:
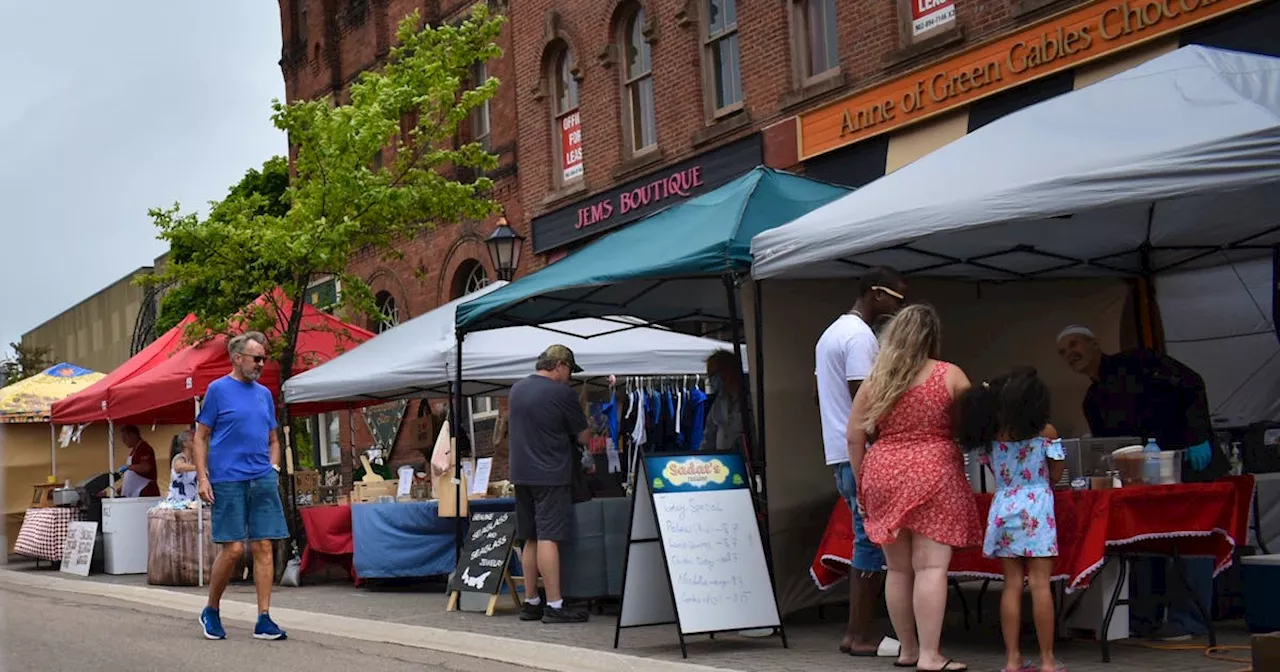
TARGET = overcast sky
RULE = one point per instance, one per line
(108, 109)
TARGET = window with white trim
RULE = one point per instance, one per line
(720, 43)
(480, 115)
(638, 115)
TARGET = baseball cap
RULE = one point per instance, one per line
(560, 353)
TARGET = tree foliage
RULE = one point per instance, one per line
(25, 362)
(342, 199)
(272, 184)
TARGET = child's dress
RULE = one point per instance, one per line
(1021, 522)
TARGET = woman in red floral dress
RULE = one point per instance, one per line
(911, 483)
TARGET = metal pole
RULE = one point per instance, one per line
(735, 327)
(457, 463)
(53, 449)
(200, 535)
(111, 455)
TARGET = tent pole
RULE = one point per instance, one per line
(735, 321)
(1275, 293)
(111, 453)
(457, 462)
(53, 448)
(757, 369)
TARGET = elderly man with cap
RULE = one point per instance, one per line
(1152, 396)
(545, 424)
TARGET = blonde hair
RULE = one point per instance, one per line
(912, 337)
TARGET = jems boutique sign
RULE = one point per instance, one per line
(646, 195)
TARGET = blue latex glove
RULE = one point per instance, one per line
(1199, 456)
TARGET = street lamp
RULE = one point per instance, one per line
(504, 249)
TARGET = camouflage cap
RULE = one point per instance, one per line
(560, 353)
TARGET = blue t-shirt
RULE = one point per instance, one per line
(240, 417)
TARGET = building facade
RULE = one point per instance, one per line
(327, 44)
(609, 110)
(99, 332)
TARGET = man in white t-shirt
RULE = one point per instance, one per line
(844, 355)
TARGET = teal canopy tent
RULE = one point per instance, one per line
(666, 268)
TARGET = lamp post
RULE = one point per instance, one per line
(504, 249)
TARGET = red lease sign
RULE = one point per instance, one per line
(571, 145)
(929, 14)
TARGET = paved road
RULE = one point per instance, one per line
(57, 632)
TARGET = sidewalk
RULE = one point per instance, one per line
(417, 617)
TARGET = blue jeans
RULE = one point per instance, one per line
(248, 510)
(1152, 578)
(867, 557)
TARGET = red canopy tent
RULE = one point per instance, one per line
(90, 404)
(165, 393)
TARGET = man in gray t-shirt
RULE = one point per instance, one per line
(546, 422)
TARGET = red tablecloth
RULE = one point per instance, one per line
(1201, 518)
(329, 537)
(44, 532)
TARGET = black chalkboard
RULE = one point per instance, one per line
(486, 553)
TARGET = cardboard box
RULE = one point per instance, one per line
(1266, 652)
(364, 492)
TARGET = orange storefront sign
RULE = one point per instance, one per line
(1057, 43)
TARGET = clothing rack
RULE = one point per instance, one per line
(649, 413)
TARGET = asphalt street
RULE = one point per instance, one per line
(64, 632)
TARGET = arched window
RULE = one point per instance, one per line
(301, 30)
(390, 312)
(471, 276)
(566, 124)
(638, 117)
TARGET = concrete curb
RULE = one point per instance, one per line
(528, 653)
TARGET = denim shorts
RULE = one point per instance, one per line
(867, 557)
(248, 510)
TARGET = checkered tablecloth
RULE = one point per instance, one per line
(44, 533)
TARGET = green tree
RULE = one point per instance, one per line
(25, 362)
(272, 183)
(342, 198)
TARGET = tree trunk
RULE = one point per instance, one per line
(289, 484)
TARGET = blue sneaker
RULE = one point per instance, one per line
(211, 621)
(267, 629)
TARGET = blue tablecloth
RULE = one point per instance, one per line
(408, 539)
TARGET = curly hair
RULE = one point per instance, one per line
(1013, 406)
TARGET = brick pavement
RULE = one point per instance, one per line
(812, 640)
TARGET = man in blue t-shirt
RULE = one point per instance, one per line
(238, 464)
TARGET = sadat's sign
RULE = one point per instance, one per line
(1057, 43)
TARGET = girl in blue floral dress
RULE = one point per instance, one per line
(1005, 419)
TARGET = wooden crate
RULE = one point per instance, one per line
(369, 492)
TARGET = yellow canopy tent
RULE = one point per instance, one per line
(24, 429)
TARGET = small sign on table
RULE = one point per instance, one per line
(485, 564)
(77, 554)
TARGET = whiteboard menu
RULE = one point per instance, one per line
(694, 532)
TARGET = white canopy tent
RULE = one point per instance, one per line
(417, 358)
(1219, 322)
(1173, 164)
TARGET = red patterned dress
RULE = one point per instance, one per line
(913, 477)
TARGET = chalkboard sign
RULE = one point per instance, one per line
(694, 531)
(485, 553)
(77, 553)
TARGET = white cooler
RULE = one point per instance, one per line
(124, 534)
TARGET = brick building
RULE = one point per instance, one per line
(327, 44)
(617, 108)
